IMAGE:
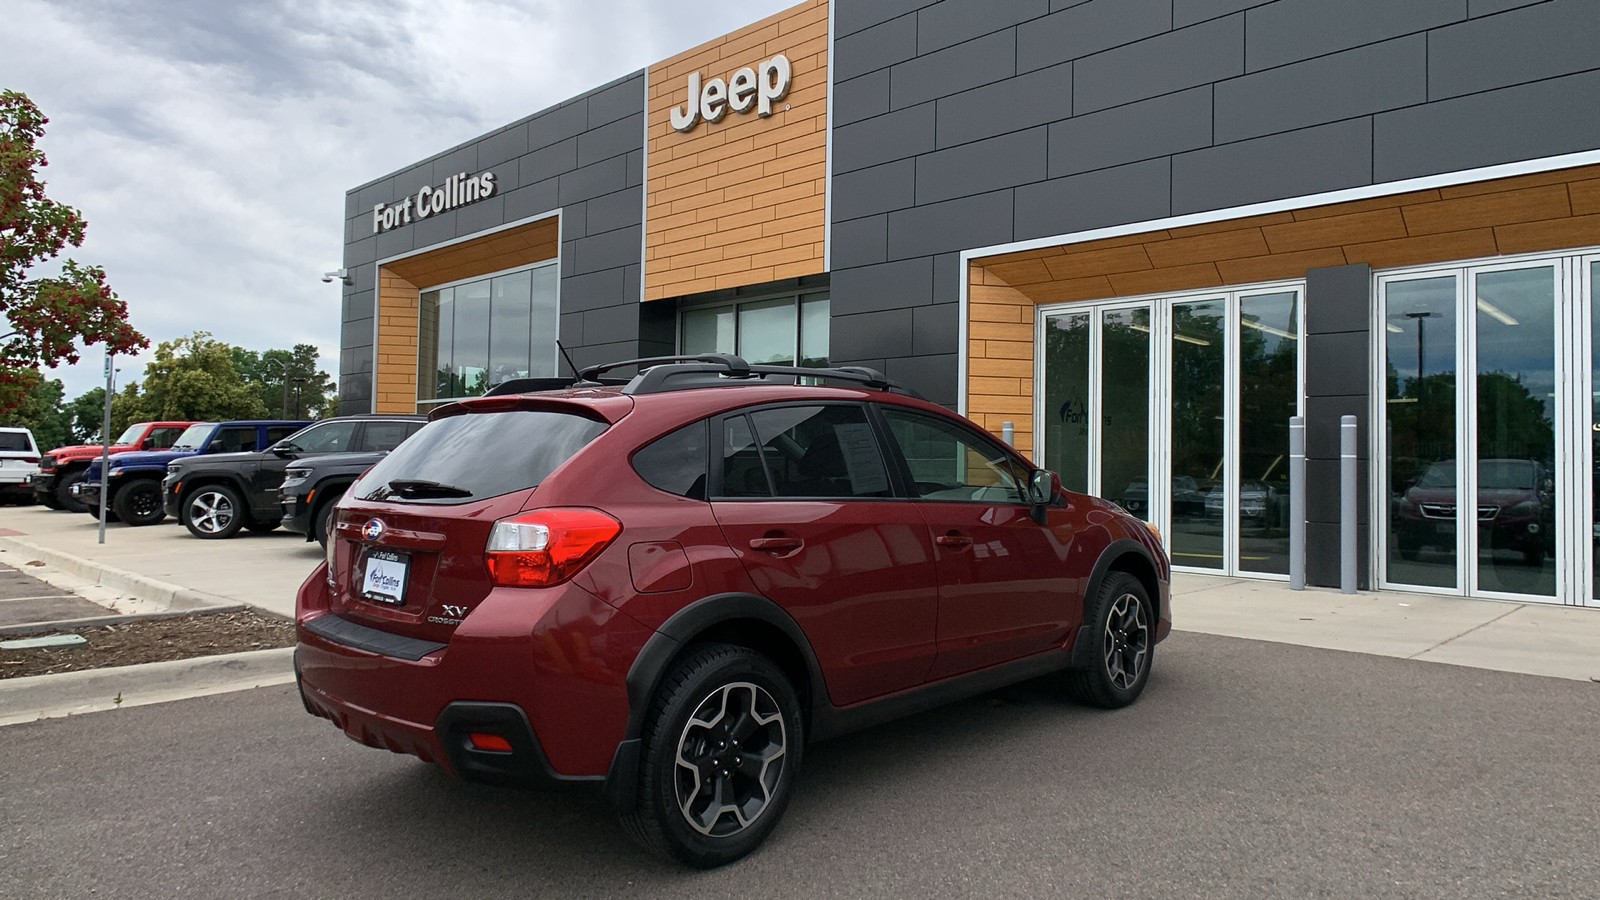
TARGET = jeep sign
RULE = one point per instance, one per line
(763, 85)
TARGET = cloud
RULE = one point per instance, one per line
(209, 145)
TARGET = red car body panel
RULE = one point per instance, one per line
(885, 608)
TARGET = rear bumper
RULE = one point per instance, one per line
(508, 670)
(446, 741)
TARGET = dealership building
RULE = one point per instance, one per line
(1145, 233)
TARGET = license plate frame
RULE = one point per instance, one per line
(392, 576)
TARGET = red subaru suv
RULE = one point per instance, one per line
(668, 585)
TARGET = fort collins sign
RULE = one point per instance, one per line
(457, 190)
(762, 86)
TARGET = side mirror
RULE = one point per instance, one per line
(1042, 486)
(147, 444)
(214, 446)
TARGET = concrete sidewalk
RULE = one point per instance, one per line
(160, 567)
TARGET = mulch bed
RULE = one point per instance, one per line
(150, 640)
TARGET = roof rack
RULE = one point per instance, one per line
(672, 373)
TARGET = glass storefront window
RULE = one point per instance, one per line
(1269, 393)
(1199, 366)
(1419, 319)
(769, 332)
(474, 335)
(1066, 399)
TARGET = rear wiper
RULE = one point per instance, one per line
(412, 487)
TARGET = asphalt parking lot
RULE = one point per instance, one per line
(1248, 769)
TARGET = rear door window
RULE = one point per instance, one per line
(821, 451)
(473, 456)
(235, 439)
(387, 435)
(742, 472)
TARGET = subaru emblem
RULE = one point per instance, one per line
(372, 530)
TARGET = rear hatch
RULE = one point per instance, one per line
(408, 550)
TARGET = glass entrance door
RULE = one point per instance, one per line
(1177, 409)
(1480, 459)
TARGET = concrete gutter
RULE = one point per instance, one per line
(93, 690)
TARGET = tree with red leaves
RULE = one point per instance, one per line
(48, 317)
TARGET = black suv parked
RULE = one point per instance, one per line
(214, 496)
(312, 486)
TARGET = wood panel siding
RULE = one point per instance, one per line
(400, 281)
(1528, 213)
(739, 201)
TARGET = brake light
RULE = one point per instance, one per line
(30, 459)
(547, 546)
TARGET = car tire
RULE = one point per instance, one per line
(1122, 623)
(64, 492)
(322, 521)
(139, 502)
(49, 500)
(715, 692)
(212, 512)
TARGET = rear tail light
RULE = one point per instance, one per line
(547, 546)
(30, 459)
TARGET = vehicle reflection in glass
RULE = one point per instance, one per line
(1515, 510)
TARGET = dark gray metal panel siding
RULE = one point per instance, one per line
(584, 156)
(1541, 41)
(1338, 325)
(1164, 107)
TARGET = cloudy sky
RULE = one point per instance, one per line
(209, 143)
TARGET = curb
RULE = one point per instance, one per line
(73, 693)
(96, 621)
(169, 596)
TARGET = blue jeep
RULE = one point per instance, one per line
(134, 485)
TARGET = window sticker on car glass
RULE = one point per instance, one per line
(861, 459)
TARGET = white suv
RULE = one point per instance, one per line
(19, 462)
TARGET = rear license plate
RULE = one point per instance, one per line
(385, 577)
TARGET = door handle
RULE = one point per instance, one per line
(775, 544)
(953, 541)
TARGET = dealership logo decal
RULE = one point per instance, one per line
(457, 190)
(763, 85)
(372, 530)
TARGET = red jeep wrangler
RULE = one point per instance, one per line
(63, 467)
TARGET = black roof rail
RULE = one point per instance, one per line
(720, 370)
(732, 365)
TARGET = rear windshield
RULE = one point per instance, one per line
(478, 455)
(14, 441)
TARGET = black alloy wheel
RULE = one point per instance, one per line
(212, 512)
(721, 750)
(64, 492)
(139, 502)
(1121, 623)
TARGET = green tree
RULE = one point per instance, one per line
(191, 378)
(85, 413)
(48, 316)
(287, 381)
(40, 412)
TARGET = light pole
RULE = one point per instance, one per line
(283, 374)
